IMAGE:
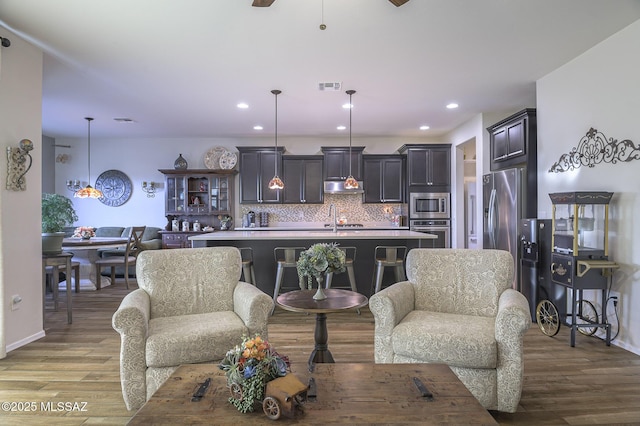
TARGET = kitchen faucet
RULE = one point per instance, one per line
(334, 225)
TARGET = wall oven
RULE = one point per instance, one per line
(440, 228)
(429, 205)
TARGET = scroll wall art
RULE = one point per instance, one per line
(594, 148)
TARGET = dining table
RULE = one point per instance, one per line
(85, 251)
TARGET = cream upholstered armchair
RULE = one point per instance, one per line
(190, 307)
(457, 308)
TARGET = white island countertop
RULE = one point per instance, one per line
(365, 234)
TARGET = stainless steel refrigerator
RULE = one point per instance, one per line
(504, 200)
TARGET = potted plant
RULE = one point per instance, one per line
(57, 212)
(317, 261)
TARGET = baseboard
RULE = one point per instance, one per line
(626, 347)
(600, 334)
(26, 340)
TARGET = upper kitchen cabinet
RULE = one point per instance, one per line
(513, 141)
(257, 167)
(384, 178)
(337, 159)
(428, 167)
(302, 176)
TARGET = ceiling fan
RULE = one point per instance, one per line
(267, 3)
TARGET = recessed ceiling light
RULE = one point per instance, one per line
(452, 105)
(257, 127)
(424, 127)
(341, 127)
(347, 106)
(242, 105)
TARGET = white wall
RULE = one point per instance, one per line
(599, 89)
(140, 159)
(20, 211)
(471, 130)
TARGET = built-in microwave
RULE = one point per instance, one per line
(429, 205)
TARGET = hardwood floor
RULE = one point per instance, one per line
(588, 384)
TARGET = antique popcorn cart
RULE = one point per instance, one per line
(579, 261)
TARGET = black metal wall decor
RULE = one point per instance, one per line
(594, 148)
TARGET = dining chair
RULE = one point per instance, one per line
(131, 251)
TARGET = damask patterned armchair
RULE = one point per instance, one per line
(190, 307)
(457, 308)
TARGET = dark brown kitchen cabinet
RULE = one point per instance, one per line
(513, 141)
(257, 167)
(172, 240)
(198, 192)
(383, 180)
(337, 160)
(428, 167)
(302, 176)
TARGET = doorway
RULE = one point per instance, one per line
(471, 232)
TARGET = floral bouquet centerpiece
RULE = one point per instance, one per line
(317, 261)
(248, 368)
(84, 232)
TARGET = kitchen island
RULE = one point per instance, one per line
(264, 241)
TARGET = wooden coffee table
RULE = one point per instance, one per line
(337, 300)
(346, 393)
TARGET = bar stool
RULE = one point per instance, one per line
(286, 257)
(248, 271)
(350, 257)
(392, 256)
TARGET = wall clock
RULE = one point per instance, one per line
(115, 187)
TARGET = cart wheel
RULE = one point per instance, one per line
(271, 408)
(548, 318)
(301, 399)
(587, 314)
(236, 391)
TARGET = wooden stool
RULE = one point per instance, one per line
(55, 261)
(248, 271)
(392, 256)
(75, 270)
(286, 257)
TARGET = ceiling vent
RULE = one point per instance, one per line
(329, 87)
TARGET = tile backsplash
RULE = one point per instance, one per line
(348, 205)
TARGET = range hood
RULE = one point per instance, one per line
(337, 187)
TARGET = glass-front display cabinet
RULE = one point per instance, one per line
(198, 194)
(175, 202)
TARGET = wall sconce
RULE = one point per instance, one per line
(150, 188)
(18, 166)
(74, 185)
(62, 158)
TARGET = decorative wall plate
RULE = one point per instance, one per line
(212, 157)
(228, 160)
(115, 187)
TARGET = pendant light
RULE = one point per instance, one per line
(350, 182)
(276, 182)
(88, 191)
